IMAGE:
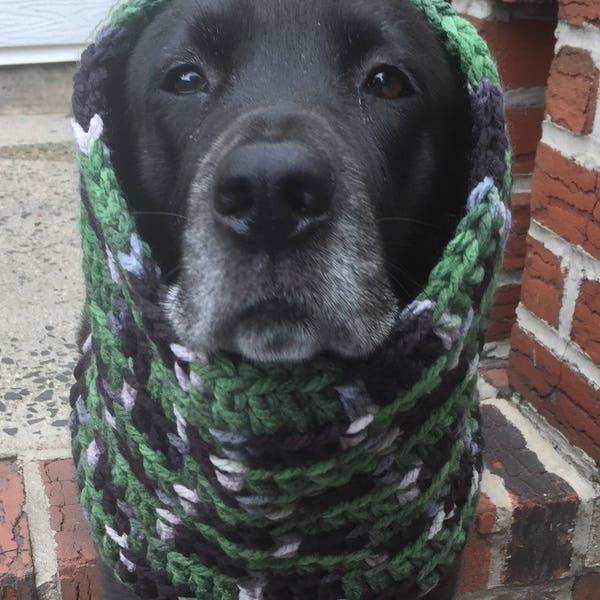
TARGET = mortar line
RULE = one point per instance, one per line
(43, 544)
(568, 251)
(493, 486)
(568, 351)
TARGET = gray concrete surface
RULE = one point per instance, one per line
(36, 89)
(41, 290)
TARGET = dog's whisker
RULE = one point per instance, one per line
(172, 272)
(407, 279)
(157, 213)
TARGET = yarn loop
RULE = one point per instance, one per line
(212, 477)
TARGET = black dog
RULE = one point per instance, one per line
(297, 168)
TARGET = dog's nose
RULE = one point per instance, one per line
(270, 193)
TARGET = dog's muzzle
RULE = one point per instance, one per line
(270, 195)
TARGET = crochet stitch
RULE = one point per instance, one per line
(212, 477)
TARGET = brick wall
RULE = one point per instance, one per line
(555, 345)
(521, 38)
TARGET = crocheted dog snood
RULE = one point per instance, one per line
(212, 477)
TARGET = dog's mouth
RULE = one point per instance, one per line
(272, 311)
(272, 330)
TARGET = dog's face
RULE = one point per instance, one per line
(297, 168)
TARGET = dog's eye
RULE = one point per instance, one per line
(186, 80)
(388, 82)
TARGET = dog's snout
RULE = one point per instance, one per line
(269, 193)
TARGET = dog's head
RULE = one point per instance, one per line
(297, 167)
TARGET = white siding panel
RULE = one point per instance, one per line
(32, 55)
(47, 31)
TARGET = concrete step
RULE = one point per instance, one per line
(36, 89)
(41, 285)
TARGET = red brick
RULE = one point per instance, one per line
(532, 364)
(20, 591)
(16, 566)
(580, 390)
(573, 90)
(525, 132)
(562, 395)
(476, 561)
(569, 411)
(539, 595)
(587, 587)
(565, 180)
(567, 221)
(486, 515)
(578, 12)
(496, 377)
(543, 282)
(592, 237)
(76, 554)
(511, 44)
(503, 313)
(535, 594)
(516, 246)
(586, 320)
(565, 198)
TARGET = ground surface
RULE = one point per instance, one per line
(40, 283)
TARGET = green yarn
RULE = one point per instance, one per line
(461, 40)
(168, 444)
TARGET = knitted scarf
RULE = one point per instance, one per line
(212, 477)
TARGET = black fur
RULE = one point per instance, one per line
(382, 180)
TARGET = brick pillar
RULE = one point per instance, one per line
(521, 39)
(555, 345)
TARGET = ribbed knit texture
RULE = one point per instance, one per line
(214, 478)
